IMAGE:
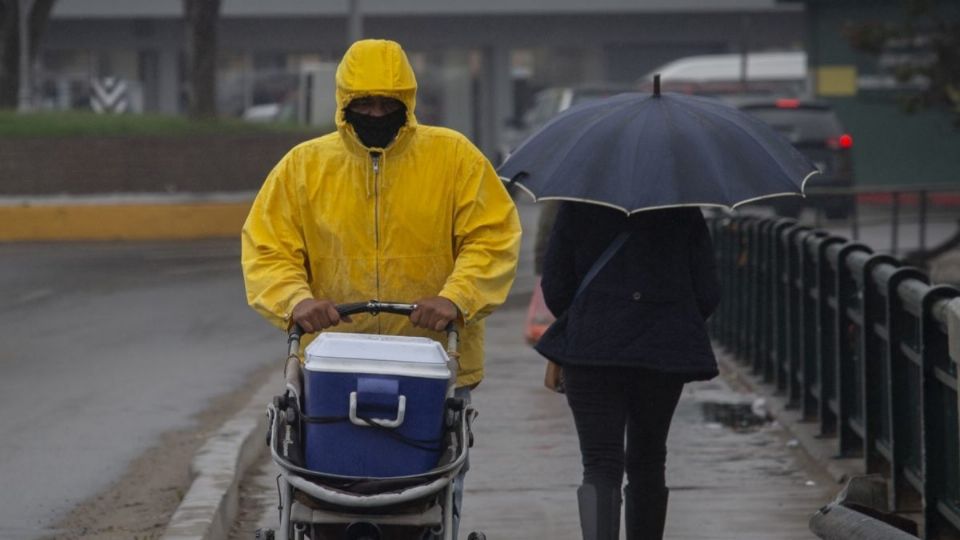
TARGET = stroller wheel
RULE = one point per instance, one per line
(476, 535)
(264, 534)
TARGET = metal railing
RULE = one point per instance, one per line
(898, 197)
(858, 342)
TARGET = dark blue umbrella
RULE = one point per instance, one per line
(641, 151)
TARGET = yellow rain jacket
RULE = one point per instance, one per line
(426, 216)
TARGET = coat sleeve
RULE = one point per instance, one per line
(559, 282)
(486, 241)
(273, 253)
(703, 266)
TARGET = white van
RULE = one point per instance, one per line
(781, 73)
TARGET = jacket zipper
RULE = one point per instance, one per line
(375, 158)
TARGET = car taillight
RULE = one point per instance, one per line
(788, 103)
(843, 142)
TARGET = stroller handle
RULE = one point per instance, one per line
(373, 307)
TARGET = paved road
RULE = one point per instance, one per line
(103, 347)
(106, 346)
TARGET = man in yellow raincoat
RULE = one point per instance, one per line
(384, 208)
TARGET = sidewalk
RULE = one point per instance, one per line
(750, 484)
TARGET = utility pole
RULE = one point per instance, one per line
(23, 95)
(354, 22)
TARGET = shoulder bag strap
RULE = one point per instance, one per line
(602, 260)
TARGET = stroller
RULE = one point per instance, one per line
(316, 505)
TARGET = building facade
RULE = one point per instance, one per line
(477, 62)
(891, 147)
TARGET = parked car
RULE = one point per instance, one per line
(550, 102)
(816, 131)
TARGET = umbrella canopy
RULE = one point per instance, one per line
(641, 151)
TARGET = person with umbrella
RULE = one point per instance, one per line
(630, 273)
(627, 347)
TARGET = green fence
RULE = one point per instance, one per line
(859, 343)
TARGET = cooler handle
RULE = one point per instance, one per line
(382, 422)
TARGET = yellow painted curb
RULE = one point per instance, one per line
(122, 221)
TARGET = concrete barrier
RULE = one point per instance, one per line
(134, 187)
(124, 217)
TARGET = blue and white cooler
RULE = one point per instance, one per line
(354, 380)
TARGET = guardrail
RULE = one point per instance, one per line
(896, 196)
(860, 343)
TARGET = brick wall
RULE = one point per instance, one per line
(83, 165)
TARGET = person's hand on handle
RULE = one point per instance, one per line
(315, 315)
(434, 313)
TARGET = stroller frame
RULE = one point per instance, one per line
(309, 498)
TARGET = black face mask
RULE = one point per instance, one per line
(376, 131)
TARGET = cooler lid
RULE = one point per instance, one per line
(343, 352)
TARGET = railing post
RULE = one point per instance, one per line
(794, 297)
(855, 219)
(720, 239)
(736, 297)
(751, 334)
(922, 221)
(941, 432)
(716, 236)
(807, 294)
(895, 223)
(728, 230)
(825, 328)
(778, 286)
(745, 259)
(849, 354)
(765, 306)
(873, 336)
(903, 379)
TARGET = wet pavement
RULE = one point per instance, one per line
(104, 348)
(746, 481)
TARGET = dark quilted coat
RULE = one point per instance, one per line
(648, 305)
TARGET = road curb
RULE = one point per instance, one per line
(821, 450)
(146, 217)
(209, 508)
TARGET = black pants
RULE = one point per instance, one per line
(607, 400)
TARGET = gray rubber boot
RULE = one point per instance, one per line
(599, 511)
(645, 514)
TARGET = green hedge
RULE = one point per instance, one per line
(70, 124)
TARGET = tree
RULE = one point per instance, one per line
(10, 44)
(201, 17)
(927, 42)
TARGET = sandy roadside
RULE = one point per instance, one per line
(139, 505)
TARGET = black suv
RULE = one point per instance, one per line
(814, 130)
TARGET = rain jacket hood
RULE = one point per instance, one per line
(426, 216)
(375, 67)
